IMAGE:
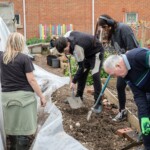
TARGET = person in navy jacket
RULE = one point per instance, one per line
(134, 68)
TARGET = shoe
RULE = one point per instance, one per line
(121, 115)
(97, 109)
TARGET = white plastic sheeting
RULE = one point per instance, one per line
(51, 135)
(4, 32)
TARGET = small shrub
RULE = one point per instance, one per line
(34, 40)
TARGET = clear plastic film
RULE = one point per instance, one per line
(52, 135)
(2, 133)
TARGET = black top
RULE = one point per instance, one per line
(13, 75)
(124, 37)
(86, 41)
(83, 44)
(139, 75)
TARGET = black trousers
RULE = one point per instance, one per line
(93, 64)
(121, 85)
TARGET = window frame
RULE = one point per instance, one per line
(128, 13)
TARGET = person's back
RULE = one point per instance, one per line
(13, 74)
(124, 37)
(86, 41)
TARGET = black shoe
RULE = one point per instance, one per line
(122, 115)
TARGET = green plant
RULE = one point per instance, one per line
(48, 38)
(34, 40)
(73, 67)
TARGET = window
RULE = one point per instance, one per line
(131, 18)
(17, 19)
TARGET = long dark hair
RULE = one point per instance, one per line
(101, 22)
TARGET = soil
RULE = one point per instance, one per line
(100, 132)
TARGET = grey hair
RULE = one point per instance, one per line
(111, 62)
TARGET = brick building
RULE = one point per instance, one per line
(76, 12)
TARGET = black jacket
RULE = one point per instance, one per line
(85, 42)
(125, 38)
(138, 77)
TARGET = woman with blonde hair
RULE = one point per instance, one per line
(18, 98)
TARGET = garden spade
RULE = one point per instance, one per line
(74, 102)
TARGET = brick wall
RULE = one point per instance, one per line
(76, 12)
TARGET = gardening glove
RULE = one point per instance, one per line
(145, 125)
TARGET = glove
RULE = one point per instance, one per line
(145, 125)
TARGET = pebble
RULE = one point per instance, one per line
(77, 124)
(71, 127)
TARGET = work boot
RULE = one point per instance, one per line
(11, 142)
(122, 115)
(98, 109)
(23, 143)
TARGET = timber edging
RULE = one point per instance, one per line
(131, 118)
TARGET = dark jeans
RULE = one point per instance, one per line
(121, 85)
(89, 65)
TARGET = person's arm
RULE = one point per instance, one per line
(79, 72)
(35, 86)
(143, 109)
(28, 69)
(140, 100)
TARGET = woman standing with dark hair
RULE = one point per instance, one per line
(122, 38)
(18, 98)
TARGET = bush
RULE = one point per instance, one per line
(35, 40)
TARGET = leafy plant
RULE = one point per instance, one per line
(48, 38)
(36, 40)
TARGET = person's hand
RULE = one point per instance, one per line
(72, 85)
(145, 125)
(43, 101)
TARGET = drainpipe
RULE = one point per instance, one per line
(24, 19)
(93, 26)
